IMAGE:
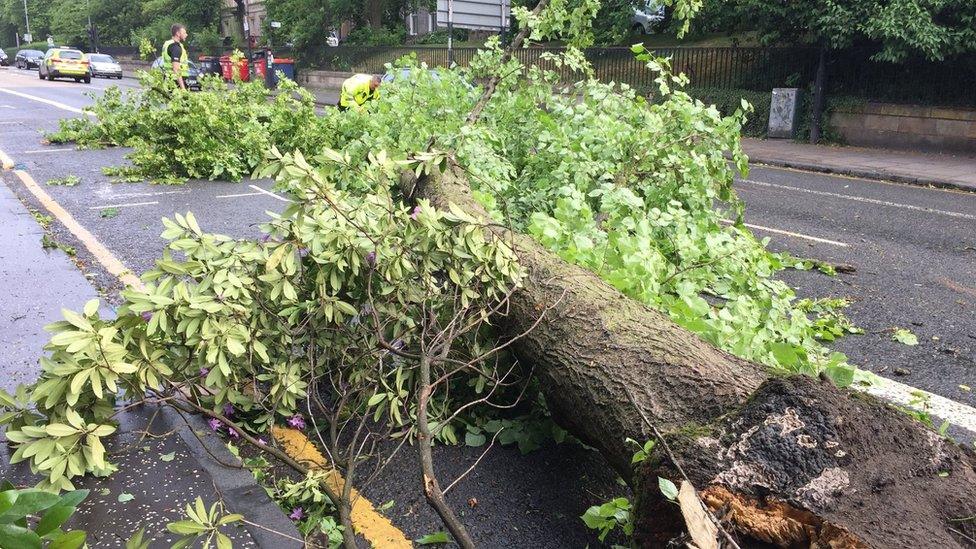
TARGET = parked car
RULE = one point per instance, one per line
(192, 81)
(104, 65)
(28, 59)
(65, 63)
(648, 17)
(4, 60)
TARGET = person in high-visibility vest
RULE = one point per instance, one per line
(358, 89)
(175, 56)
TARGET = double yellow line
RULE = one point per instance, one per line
(366, 520)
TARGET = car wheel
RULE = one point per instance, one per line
(40, 75)
(88, 80)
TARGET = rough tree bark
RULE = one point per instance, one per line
(791, 461)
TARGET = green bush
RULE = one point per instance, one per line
(728, 100)
(440, 37)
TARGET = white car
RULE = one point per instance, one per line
(647, 18)
(104, 65)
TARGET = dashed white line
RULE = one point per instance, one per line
(269, 193)
(42, 151)
(795, 235)
(862, 199)
(157, 193)
(239, 195)
(129, 205)
(47, 102)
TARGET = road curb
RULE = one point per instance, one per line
(239, 490)
(876, 175)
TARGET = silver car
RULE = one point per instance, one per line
(648, 17)
(104, 65)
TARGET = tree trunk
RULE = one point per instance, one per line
(374, 11)
(609, 365)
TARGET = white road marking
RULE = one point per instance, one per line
(7, 107)
(956, 413)
(239, 195)
(862, 199)
(42, 151)
(269, 193)
(122, 205)
(157, 193)
(47, 102)
(788, 233)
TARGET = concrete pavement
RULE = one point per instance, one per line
(915, 168)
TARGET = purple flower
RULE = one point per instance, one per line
(214, 423)
(302, 252)
(233, 433)
(371, 259)
(264, 238)
(147, 316)
(415, 213)
(297, 422)
(204, 372)
(398, 344)
(262, 442)
(228, 409)
(297, 514)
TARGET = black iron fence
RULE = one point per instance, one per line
(743, 68)
(950, 82)
(850, 73)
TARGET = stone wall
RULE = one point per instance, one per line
(937, 129)
(329, 80)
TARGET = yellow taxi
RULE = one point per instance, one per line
(65, 63)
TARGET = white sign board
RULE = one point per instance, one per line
(28, 37)
(489, 15)
(276, 24)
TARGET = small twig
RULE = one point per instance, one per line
(475, 464)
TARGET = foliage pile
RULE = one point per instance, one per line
(350, 285)
(343, 284)
(212, 134)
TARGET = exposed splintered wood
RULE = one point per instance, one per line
(791, 461)
(805, 464)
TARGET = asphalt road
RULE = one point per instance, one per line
(914, 251)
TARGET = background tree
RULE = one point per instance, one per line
(934, 29)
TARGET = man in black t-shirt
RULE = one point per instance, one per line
(175, 56)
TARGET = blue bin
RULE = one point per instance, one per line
(286, 66)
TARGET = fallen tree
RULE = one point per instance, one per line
(791, 460)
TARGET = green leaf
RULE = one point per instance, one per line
(69, 540)
(29, 502)
(125, 497)
(668, 489)
(905, 336)
(18, 537)
(167, 457)
(474, 439)
(136, 541)
(7, 499)
(436, 537)
(53, 518)
(186, 527)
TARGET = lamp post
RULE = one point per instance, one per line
(27, 37)
(91, 29)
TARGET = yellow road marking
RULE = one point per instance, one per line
(6, 161)
(377, 529)
(88, 240)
